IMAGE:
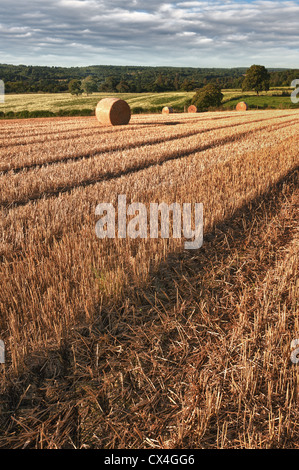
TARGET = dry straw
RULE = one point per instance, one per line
(242, 106)
(167, 110)
(113, 112)
(192, 109)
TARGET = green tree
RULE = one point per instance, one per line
(257, 78)
(159, 84)
(89, 85)
(188, 85)
(75, 87)
(176, 82)
(109, 84)
(123, 87)
(209, 96)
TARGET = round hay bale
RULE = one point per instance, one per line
(242, 106)
(167, 110)
(192, 109)
(113, 112)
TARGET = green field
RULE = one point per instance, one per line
(60, 104)
(67, 102)
(262, 102)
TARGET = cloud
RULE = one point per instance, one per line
(184, 33)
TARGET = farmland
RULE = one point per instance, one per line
(65, 101)
(59, 103)
(139, 343)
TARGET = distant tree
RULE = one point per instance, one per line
(169, 84)
(34, 79)
(138, 85)
(123, 87)
(132, 86)
(257, 78)
(109, 85)
(89, 85)
(188, 85)
(159, 84)
(75, 87)
(209, 96)
(176, 82)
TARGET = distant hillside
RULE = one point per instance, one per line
(129, 79)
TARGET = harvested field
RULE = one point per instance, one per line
(139, 343)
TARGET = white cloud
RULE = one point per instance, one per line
(191, 33)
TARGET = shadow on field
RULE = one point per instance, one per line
(95, 366)
(218, 244)
(164, 123)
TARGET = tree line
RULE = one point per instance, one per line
(130, 79)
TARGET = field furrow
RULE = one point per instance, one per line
(21, 132)
(80, 147)
(66, 258)
(45, 182)
(173, 337)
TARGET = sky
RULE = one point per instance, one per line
(229, 33)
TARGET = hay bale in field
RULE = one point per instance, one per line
(192, 109)
(113, 112)
(242, 106)
(167, 110)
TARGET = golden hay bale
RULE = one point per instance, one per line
(242, 106)
(167, 110)
(113, 112)
(192, 109)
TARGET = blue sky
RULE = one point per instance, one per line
(204, 33)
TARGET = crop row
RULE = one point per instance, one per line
(22, 187)
(78, 146)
